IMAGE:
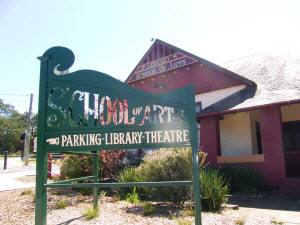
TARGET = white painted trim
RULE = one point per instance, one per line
(213, 97)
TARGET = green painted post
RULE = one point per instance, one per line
(41, 192)
(194, 145)
(41, 162)
(95, 174)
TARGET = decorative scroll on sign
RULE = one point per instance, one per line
(88, 110)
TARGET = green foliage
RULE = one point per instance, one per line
(91, 213)
(75, 166)
(244, 179)
(129, 175)
(60, 204)
(59, 192)
(274, 220)
(12, 125)
(189, 211)
(102, 193)
(26, 192)
(147, 208)
(86, 191)
(133, 197)
(181, 220)
(173, 164)
(214, 188)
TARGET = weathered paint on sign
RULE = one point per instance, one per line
(162, 65)
(94, 115)
(86, 111)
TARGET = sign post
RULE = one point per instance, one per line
(87, 111)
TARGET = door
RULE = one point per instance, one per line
(291, 139)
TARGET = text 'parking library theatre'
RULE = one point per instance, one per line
(248, 110)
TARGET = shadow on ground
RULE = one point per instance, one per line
(271, 202)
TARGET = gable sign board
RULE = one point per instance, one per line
(161, 65)
(86, 111)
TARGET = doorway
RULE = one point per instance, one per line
(291, 140)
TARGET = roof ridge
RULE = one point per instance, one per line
(201, 60)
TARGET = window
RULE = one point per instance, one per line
(258, 138)
(198, 106)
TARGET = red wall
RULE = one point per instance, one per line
(206, 79)
(273, 167)
(271, 129)
(210, 138)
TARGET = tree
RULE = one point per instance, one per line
(6, 109)
(12, 124)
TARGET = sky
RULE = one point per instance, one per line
(112, 36)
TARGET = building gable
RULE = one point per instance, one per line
(165, 67)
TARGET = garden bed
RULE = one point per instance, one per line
(17, 207)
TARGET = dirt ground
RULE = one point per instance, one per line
(17, 207)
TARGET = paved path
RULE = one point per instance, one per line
(16, 169)
(276, 208)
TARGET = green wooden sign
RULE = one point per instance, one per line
(86, 111)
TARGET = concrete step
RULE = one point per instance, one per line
(290, 188)
(286, 194)
(293, 179)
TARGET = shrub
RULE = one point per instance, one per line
(147, 208)
(133, 197)
(273, 220)
(112, 162)
(102, 193)
(189, 211)
(61, 204)
(244, 179)
(75, 166)
(129, 175)
(214, 189)
(26, 192)
(86, 191)
(168, 165)
(59, 192)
